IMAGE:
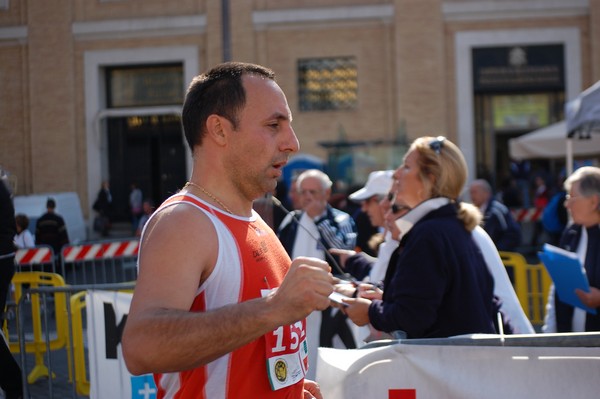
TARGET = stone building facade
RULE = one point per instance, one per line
(92, 89)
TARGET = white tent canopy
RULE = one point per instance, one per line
(551, 142)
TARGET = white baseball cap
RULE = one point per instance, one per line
(378, 183)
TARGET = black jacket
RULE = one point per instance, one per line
(500, 225)
(51, 230)
(8, 227)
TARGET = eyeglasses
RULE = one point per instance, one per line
(570, 197)
(311, 192)
(437, 144)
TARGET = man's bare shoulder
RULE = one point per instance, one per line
(181, 233)
(183, 219)
(178, 252)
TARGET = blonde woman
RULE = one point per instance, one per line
(437, 283)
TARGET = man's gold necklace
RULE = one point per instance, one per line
(209, 195)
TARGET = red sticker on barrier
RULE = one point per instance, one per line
(402, 394)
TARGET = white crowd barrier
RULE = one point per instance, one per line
(449, 368)
(109, 377)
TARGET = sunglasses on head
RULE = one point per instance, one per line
(437, 144)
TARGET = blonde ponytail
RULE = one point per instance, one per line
(469, 215)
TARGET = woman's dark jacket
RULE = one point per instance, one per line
(437, 283)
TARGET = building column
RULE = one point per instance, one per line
(595, 39)
(51, 94)
(420, 66)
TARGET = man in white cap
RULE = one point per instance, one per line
(361, 265)
(378, 186)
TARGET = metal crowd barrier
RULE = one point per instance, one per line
(73, 380)
(35, 267)
(40, 258)
(24, 283)
(531, 282)
(49, 301)
(100, 262)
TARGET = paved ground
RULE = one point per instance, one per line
(59, 387)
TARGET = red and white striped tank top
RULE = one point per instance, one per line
(249, 252)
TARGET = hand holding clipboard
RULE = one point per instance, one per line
(567, 274)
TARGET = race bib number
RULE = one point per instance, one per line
(287, 355)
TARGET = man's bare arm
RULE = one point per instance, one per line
(178, 253)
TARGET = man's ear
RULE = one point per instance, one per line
(216, 128)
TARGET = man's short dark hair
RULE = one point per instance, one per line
(50, 203)
(218, 91)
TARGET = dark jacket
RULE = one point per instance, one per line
(51, 230)
(500, 225)
(103, 203)
(359, 265)
(8, 227)
(570, 241)
(437, 283)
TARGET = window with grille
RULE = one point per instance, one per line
(144, 85)
(327, 84)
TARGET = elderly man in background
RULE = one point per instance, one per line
(312, 231)
(497, 219)
(323, 227)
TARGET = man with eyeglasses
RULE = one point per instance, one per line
(323, 227)
(312, 231)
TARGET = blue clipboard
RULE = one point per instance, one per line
(567, 274)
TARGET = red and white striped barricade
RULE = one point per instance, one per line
(525, 215)
(39, 259)
(101, 262)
